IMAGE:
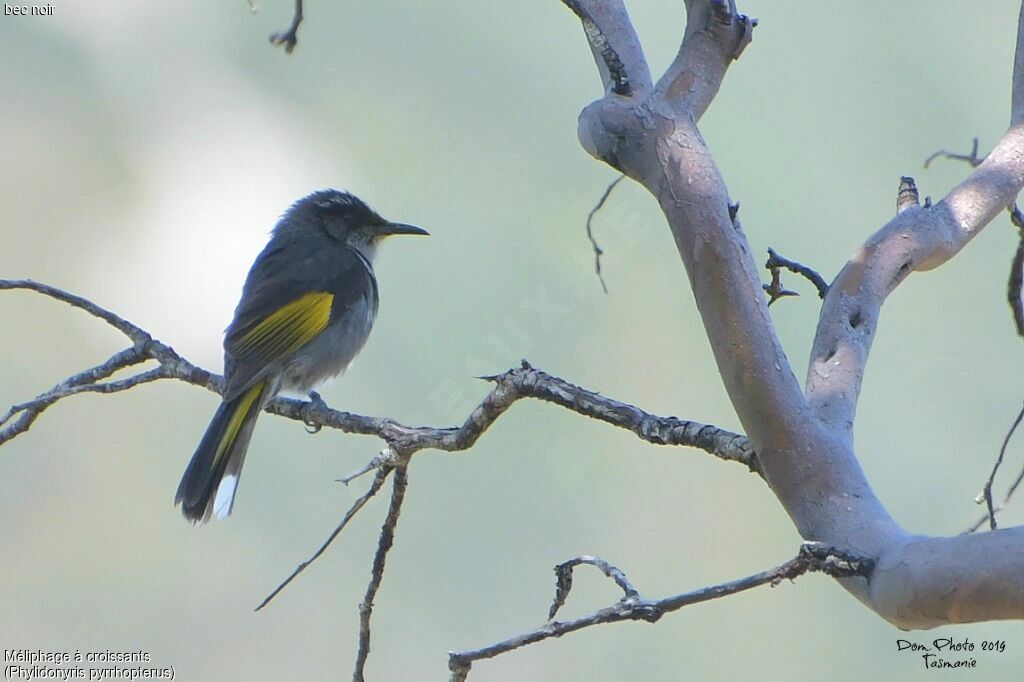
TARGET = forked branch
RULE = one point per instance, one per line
(289, 37)
(812, 557)
(804, 435)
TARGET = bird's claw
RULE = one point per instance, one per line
(315, 403)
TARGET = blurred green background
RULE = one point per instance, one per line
(147, 149)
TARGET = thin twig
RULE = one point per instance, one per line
(137, 335)
(1006, 499)
(126, 358)
(290, 36)
(598, 251)
(775, 261)
(564, 574)
(986, 492)
(28, 412)
(1016, 280)
(811, 557)
(387, 538)
(378, 481)
(971, 158)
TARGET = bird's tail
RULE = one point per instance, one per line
(208, 486)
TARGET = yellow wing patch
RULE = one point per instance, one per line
(289, 327)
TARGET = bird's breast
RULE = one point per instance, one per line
(333, 350)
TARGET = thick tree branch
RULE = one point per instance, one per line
(1015, 282)
(918, 238)
(812, 557)
(616, 48)
(804, 445)
(716, 34)
(657, 143)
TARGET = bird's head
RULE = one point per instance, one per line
(342, 217)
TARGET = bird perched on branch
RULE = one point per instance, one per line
(307, 307)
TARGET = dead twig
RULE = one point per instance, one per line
(290, 36)
(986, 492)
(632, 606)
(598, 251)
(387, 538)
(775, 290)
(378, 481)
(971, 158)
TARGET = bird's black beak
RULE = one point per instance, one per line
(400, 228)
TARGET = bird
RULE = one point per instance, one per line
(307, 307)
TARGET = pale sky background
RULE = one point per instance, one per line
(146, 150)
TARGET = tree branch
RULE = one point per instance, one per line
(387, 537)
(513, 385)
(986, 493)
(1015, 283)
(590, 232)
(812, 557)
(290, 36)
(615, 46)
(716, 34)
(917, 238)
(775, 261)
(804, 444)
(378, 481)
(135, 334)
(401, 441)
(563, 580)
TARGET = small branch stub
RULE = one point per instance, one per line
(907, 195)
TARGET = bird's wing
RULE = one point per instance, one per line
(291, 295)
